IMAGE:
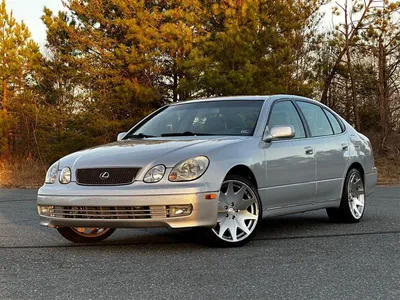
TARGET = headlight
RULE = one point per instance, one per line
(51, 175)
(65, 176)
(155, 174)
(189, 169)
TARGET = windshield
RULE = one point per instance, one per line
(202, 118)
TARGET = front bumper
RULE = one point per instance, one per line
(204, 211)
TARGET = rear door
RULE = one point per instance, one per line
(331, 149)
(290, 168)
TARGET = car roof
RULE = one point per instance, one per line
(243, 98)
(235, 98)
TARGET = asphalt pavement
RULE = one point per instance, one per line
(301, 256)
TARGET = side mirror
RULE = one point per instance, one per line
(120, 136)
(279, 132)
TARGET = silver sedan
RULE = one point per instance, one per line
(220, 165)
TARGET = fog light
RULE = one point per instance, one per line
(45, 210)
(180, 210)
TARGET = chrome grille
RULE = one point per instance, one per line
(106, 176)
(109, 212)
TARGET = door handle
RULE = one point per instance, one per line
(309, 150)
(345, 147)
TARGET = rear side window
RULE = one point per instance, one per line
(334, 122)
(316, 119)
(284, 113)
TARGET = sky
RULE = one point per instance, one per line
(30, 11)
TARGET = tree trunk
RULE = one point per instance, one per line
(329, 100)
(348, 105)
(353, 97)
(327, 83)
(182, 91)
(383, 92)
(351, 75)
(6, 152)
(175, 87)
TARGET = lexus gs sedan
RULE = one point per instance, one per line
(219, 165)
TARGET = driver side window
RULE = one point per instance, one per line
(284, 113)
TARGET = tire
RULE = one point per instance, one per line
(352, 204)
(76, 235)
(239, 214)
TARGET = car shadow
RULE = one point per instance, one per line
(270, 229)
(293, 224)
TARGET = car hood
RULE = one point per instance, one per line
(144, 152)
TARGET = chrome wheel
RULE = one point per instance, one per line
(356, 196)
(352, 203)
(238, 211)
(90, 231)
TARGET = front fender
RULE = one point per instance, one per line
(247, 153)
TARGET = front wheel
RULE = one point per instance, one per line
(352, 204)
(85, 234)
(239, 213)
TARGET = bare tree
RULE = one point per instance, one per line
(351, 35)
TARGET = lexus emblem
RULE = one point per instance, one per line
(104, 175)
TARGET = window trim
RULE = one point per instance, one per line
(305, 125)
(340, 125)
(303, 119)
(320, 107)
(329, 121)
(338, 118)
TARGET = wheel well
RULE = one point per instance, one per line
(357, 166)
(245, 172)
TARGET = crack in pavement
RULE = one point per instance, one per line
(16, 200)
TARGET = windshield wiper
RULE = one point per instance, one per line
(186, 133)
(139, 136)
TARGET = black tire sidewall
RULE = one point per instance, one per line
(71, 235)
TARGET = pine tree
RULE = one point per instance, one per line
(382, 38)
(19, 58)
(180, 30)
(111, 45)
(255, 47)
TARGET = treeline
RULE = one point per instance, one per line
(108, 63)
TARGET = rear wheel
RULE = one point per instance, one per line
(85, 234)
(239, 213)
(352, 204)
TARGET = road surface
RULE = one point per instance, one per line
(301, 256)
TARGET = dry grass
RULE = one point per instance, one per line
(28, 173)
(21, 173)
(388, 170)
(387, 160)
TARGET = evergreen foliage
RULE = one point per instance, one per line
(108, 63)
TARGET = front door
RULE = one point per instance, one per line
(291, 169)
